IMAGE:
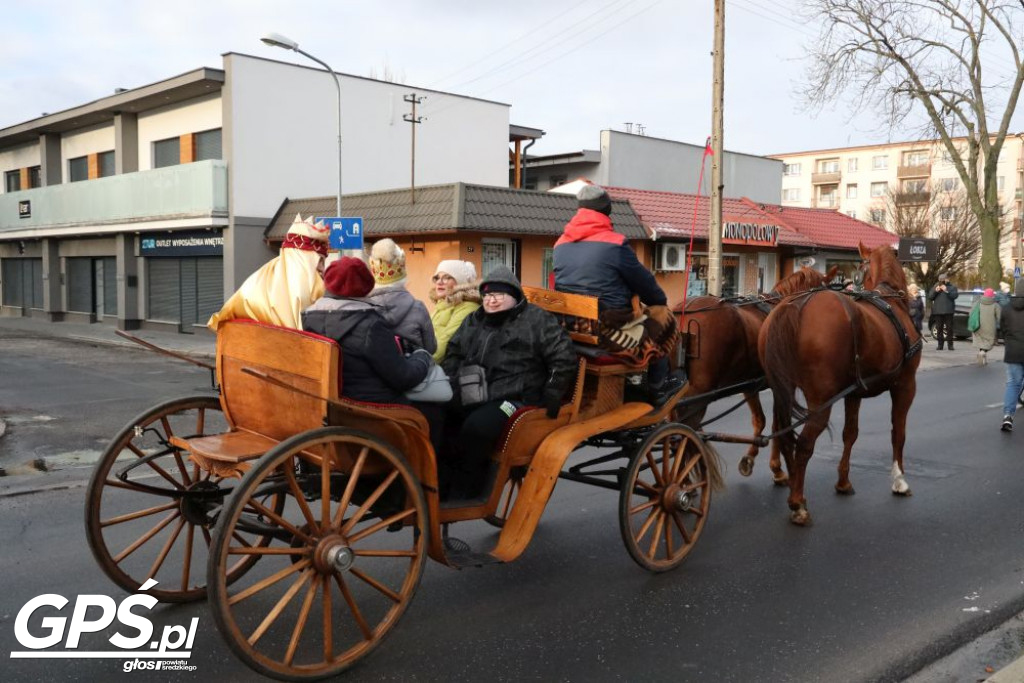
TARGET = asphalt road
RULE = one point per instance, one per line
(876, 589)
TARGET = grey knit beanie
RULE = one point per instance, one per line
(594, 197)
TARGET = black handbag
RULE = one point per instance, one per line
(472, 384)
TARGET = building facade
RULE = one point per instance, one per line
(647, 163)
(862, 182)
(148, 207)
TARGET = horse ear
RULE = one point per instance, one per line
(831, 274)
(864, 251)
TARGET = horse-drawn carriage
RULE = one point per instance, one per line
(307, 517)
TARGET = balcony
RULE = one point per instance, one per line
(826, 178)
(196, 190)
(918, 171)
(912, 198)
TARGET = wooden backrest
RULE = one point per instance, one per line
(576, 312)
(300, 359)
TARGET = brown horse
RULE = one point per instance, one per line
(723, 353)
(833, 345)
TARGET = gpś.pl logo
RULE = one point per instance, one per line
(174, 643)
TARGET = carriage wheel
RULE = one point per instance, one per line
(149, 511)
(665, 496)
(350, 548)
(509, 494)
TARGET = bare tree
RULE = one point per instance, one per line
(958, 61)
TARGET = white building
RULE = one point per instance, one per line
(858, 180)
(206, 157)
(647, 163)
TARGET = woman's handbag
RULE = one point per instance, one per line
(472, 384)
(435, 387)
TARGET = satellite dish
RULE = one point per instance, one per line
(806, 261)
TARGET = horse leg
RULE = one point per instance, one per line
(815, 425)
(850, 431)
(902, 396)
(779, 476)
(757, 419)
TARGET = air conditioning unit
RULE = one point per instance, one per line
(669, 257)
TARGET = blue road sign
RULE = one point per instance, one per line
(346, 233)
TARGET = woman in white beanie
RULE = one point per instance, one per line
(401, 310)
(455, 295)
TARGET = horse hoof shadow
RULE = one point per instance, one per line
(848, 491)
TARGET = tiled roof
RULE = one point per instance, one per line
(830, 228)
(453, 207)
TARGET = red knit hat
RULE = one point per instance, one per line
(348, 276)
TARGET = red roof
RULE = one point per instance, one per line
(671, 214)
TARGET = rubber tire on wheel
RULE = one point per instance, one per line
(324, 599)
(664, 501)
(120, 515)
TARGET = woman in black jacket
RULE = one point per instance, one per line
(527, 360)
(916, 306)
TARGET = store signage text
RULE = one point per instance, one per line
(750, 233)
(187, 243)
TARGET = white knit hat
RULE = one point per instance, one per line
(463, 271)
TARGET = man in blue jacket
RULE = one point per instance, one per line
(591, 258)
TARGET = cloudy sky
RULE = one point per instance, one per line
(569, 67)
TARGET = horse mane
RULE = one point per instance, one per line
(885, 269)
(799, 281)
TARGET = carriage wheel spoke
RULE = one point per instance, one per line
(168, 433)
(681, 525)
(300, 499)
(382, 524)
(654, 470)
(665, 448)
(354, 608)
(669, 550)
(167, 548)
(201, 421)
(136, 515)
(374, 583)
(145, 537)
(325, 492)
(275, 612)
(678, 458)
(261, 550)
(377, 493)
(279, 520)
(269, 581)
(328, 627)
(686, 470)
(656, 538)
(300, 623)
(186, 566)
(693, 486)
(346, 497)
(650, 488)
(643, 506)
(646, 526)
(156, 468)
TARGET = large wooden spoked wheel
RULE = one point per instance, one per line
(665, 496)
(348, 552)
(150, 512)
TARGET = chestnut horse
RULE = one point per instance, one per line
(723, 353)
(833, 345)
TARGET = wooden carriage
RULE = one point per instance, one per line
(307, 517)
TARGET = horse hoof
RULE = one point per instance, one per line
(746, 465)
(905, 493)
(800, 517)
(845, 491)
(780, 480)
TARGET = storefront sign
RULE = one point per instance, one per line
(750, 233)
(184, 243)
(918, 249)
(25, 208)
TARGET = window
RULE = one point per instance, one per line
(947, 213)
(790, 169)
(12, 181)
(949, 184)
(208, 145)
(828, 166)
(915, 158)
(827, 197)
(878, 217)
(547, 268)
(851, 165)
(879, 163)
(851, 191)
(530, 184)
(791, 194)
(1000, 183)
(556, 180)
(879, 189)
(947, 158)
(105, 163)
(35, 176)
(851, 213)
(915, 186)
(166, 153)
(78, 169)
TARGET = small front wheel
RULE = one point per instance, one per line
(346, 556)
(665, 496)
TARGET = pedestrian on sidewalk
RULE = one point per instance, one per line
(916, 306)
(988, 324)
(943, 297)
(1013, 353)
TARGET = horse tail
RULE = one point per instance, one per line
(780, 364)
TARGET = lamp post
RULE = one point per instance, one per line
(277, 40)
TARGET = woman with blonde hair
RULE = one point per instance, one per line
(455, 295)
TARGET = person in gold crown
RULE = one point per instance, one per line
(282, 288)
(398, 307)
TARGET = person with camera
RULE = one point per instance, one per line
(506, 355)
(943, 297)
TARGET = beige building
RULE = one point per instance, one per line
(858, 180)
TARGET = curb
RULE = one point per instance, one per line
(1014, 673)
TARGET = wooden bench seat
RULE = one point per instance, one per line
(224, 453)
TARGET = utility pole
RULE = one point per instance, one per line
(717, 103)
(413, 119)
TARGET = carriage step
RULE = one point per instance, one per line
(470, 559)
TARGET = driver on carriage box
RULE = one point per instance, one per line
(591, 258)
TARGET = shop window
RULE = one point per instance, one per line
(166, 152)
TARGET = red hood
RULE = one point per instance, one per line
(592, 226)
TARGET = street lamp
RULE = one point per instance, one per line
(277, 40)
